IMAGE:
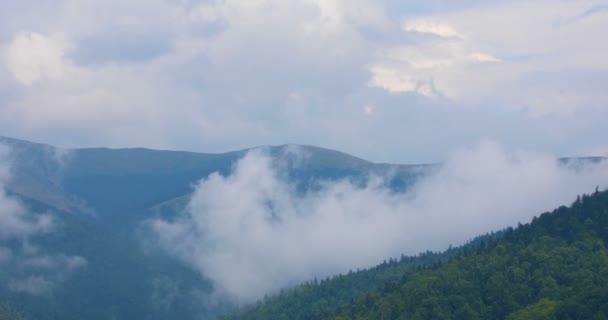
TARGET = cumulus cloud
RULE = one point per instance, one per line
(252, 233)
(220, 75)
(479, 56)
(33, 56)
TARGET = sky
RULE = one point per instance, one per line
(386, 80)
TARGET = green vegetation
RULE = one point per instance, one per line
(553, 268)
(316, 299)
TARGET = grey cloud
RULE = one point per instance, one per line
(252, 233)
(594, 9)
(221, 75)
(121, 45)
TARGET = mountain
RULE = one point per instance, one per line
(555, 267)
(95, 264)
(97, 199)
(118, 278)
(316, 299)
(117, 186)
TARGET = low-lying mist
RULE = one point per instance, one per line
(252, 233)
(24, 265)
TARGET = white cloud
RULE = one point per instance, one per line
(522, 54)
(395, 81)
(433, 27)
(33, 56)
(214, 75)
(252, 233)
(337, 16)
(15, 222)
(483, 57)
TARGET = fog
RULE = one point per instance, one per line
(15, 223)
(25, 264)
(251, 233)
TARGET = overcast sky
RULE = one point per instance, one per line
(397, 81)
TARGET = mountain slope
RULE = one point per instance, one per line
(553, 268)
(316, 299)
(98, 197)
(87, 272)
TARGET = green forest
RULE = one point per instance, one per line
(555, 267)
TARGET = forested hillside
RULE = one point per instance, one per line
(553, 268)
(318, 298)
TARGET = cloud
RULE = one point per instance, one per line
(528, 50)
(16, 223)
(251, 233)
(27, 267)
(433, 27)
(33, 56)
(395, 81)
(30, 270)
(220, 75)
(483, 57)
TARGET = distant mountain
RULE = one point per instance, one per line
(118, 279)
(119, 185)
(98, 197)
